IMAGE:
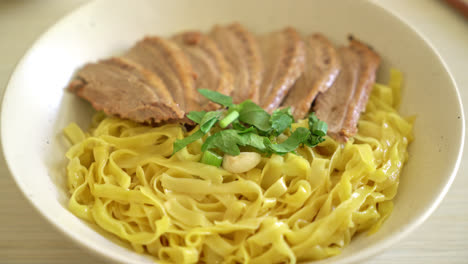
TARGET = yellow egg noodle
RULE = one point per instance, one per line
(289, 208)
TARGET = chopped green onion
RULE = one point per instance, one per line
(231, 117)
(211, 158)
(320, 128)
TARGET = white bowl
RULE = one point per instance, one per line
(36, 107)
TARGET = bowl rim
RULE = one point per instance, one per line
(362, 254)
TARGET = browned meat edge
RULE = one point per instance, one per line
(321, 69)
(106, 86)
(370, 62)
(342, 104)
(283, 55)
(165, 58)
(241, 50)
(209, 63)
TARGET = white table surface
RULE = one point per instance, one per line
(25, 237)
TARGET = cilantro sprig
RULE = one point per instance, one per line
(248, 125)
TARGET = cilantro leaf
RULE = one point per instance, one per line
(251, 126)
(281, 119)
(208, 120)
(299, 136)
(226, 140)
(252, 114)
(182, 143)
(248, 130)
(216, 97)
(316, 126)
(196, 116)
(205, 127)
(241, 129)
(253, 140)
(318, 130)
(238, 126)
(314, 140)
(312, 119)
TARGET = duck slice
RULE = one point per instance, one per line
(341, 105)
(321, 69)
(241, 50)
(369, 63)
(283, 55)
(209, 64)
(166, 59)
(118, 87)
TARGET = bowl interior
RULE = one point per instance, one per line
(36, 108)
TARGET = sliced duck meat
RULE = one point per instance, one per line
(369, 63)
(332, 105)
(241, 50)
(165, 59)
(121, 88)
(341, 105)
(208, 62)
(321, 69)
(283, 55)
